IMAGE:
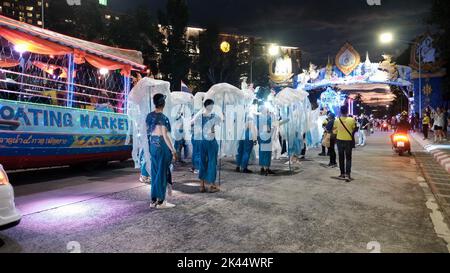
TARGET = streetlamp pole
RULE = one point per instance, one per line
(420, 84)
(388, 38)
(43, 13)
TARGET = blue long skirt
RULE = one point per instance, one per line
(208, 161)
(143, 165)
(244, 151)
(265, 153)
(160, 171)
(196, 154)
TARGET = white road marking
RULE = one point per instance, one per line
(441, 228)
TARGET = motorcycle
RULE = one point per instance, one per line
(401, 144)
(385, 127)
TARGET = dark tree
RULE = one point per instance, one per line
(260, 66)
(214, 65)
(400, 102)
(175, 61)
(139, 32)
(83, 21)
(60, 17)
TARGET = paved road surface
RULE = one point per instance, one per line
(107, 210)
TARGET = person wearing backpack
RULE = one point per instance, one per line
(345, 127)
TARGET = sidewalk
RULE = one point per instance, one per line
(435, 164)
(440, 151)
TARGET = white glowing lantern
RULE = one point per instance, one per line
(21, 48)
(103, 71)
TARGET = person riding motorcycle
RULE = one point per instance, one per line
(403, 127)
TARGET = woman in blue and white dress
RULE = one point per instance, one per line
(162, 153)
(209, 148)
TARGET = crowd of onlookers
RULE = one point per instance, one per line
(434, 121)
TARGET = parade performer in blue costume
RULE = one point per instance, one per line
(196, 154)
(162, 153)
(209, 148)
(145, 176)
(246, 144)
(180, 139)
(264, 124)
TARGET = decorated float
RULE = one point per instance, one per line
(62, 99)
(339, 84)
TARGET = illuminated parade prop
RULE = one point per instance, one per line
(140, 104)
(347, 59)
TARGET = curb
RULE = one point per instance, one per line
(440, 155)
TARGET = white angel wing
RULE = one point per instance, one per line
(184, 98)
(198, 100)
(140, 104)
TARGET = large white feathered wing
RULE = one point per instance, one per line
(140, 104)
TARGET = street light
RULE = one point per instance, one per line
(387, 38)
(274, 50)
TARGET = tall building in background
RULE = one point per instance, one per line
(249, 49)
(31, 11)
(28, 11)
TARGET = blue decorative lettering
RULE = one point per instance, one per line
(55, 119)
(121, 124)
(21, 114)
(35, 113)
(84, 121)
(45, 118)
(95, 123)
(67, 120)
(105, 123)
(113, 123)
(6, 113)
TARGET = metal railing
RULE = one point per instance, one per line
(25, 88)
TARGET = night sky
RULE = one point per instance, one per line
(319, 27)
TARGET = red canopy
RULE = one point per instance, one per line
(41, 41)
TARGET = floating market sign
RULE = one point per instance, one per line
(42, 118)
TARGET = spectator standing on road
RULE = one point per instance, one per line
(324, 126)
(363, 130)
(333, 138)
(345, 127)
(426, 125)
(445, 129)
(438, 125)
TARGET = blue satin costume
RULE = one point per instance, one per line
(144, 171)
(161, 157)
(264, 124)
(245, 149)
(196, 151)
(209, 149)
(181, 144)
